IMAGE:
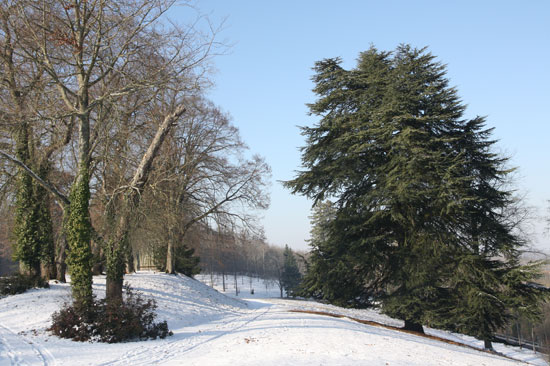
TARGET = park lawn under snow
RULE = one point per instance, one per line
(211, 328)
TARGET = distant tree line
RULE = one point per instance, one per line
(246, 254)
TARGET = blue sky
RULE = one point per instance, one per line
(498, 57)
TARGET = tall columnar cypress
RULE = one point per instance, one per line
(78, 230)
(418, 194)
(28, 248)
(33, 230)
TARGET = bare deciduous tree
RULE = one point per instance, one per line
(95, 53)
(203, 175)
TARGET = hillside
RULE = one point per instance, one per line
(211, 328)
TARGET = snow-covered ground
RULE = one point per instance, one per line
(247, 287)
(211, 328)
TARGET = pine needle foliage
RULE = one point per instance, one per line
(423, 224)
(291, 276)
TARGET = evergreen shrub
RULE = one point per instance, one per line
(110, 321)
(19, 283)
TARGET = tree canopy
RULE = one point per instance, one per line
(421, 213)
(103, 105)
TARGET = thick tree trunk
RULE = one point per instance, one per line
(61, 271)
(44, 218)
(117, 251)
(114, 290)
(48, 270)
(488, 344)
(26, 229)
(130, 263)
(78, 228)
(97, 268)
(413, 326)
(116, 258)
(61, 255)
(170, 258)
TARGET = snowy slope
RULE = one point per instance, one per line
(211, 328)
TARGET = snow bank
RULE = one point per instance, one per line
(211, 328)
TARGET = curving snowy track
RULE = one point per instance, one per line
(182, 343)
(20, 351)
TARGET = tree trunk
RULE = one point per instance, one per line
(27, 227)
(114, 290)
(488, 344)
(236, 284)
(137, 261)
(61, 271)
(519, 335)
(130, 263)
(116, 259)
(61, 255)
(116, 253)
(45, 227)
(170, 258)
(48, 270)
(97, 268)
(78, 228)
(533, 338)
(413, 326)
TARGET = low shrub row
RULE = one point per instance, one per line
(111, 322)
(19, 283)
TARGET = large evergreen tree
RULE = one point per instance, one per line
(418, 193)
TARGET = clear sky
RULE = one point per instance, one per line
(497, 52)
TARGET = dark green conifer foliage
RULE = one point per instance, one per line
(291, 275)
(45, 225)
(488, 284)
(420, 210)
(334, 271)
(28, 249)
(186, 261)
(33, 232)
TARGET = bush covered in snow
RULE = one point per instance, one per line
(110, 322)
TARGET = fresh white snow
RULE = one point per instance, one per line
(212, 328)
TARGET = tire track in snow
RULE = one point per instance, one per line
(171, 349)
(6, 350)
(12, 341)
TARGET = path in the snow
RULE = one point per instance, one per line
(17, 350)
(213, 329)
(183, 342)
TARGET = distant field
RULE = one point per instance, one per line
(247, 287)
